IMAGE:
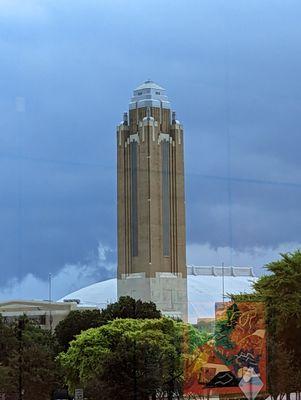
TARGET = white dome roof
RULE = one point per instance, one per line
(204, 290)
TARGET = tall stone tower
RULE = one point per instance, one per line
(151, 203)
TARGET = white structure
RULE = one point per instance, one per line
(205, 288)
(44, 313)
(149, 94)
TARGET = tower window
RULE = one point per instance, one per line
(134, 201)
(165, 198)
(158, 93)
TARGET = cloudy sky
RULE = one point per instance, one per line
(67, 70)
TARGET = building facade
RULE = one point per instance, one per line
(151, 203)
(42, 312)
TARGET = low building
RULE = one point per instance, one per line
(44, 313)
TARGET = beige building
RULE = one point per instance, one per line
(151, 204)
(46, 314)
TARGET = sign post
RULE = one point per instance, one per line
(79, 394)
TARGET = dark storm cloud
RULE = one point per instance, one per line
(231, 69)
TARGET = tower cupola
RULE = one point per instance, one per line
(149, 94)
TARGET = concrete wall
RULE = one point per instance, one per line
(167, 291)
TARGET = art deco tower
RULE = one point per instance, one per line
(151, 204)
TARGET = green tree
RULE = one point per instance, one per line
(78, 321)
(8, 345)
(281, 291)
(127, 307)
(28, 358)
(128, 359)
(39, 368)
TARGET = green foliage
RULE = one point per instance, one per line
(114, 358)
(78, 321)
(38, 361)
(245, 297)
(30, 351)
(128, 356)
(193, 337)
(281, 292)
(8, 346)
(282, 287)
(127, 307)
(283, 377)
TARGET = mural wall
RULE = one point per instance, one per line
(233, 361)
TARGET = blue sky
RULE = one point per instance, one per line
(67, 70)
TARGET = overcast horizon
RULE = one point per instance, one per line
(68, 69)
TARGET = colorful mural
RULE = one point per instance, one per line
(233, 361)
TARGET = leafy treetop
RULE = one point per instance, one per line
(78, 321)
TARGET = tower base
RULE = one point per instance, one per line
(168, 291)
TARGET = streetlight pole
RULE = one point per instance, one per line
(50, 301)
